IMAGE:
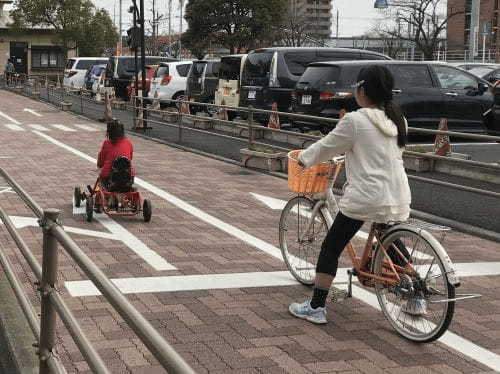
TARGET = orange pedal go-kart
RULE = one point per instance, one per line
(115, 197)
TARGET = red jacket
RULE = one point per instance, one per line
(110, 151)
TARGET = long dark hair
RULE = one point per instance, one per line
(378, 83)
(115, 131)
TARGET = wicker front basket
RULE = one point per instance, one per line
(307, 181)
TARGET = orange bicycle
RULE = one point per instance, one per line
(402, 262)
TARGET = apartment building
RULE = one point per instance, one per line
(317, 14)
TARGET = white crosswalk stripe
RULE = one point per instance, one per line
(14, 127)
(64, 128)
(39, 127)
(87, 127)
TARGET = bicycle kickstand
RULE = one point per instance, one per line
(339, 295)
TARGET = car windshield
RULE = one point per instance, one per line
(481, 71)
(230, 68)
(197, 69)
(86, 64)
(257, 67)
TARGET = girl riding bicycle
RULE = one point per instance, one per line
(373, 139)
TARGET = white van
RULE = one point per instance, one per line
(228, 89)
(76, 68)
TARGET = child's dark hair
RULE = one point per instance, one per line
(115, 131)
(378, 84)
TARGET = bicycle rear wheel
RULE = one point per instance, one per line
(301, 251)
(417, 307)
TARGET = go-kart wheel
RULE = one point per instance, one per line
(89, 209)
(146, 210)
(77, 195)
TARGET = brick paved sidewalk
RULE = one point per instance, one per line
(233, 330)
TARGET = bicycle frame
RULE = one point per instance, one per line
(326, 203)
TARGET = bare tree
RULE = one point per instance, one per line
(293, 30)
(427, 20)
(391, 35)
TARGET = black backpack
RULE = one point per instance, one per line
(120, 176)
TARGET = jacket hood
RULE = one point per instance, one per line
(380, 120)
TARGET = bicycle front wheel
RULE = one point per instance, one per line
(300, 244)
(418, 307)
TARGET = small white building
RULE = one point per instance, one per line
(33, 50)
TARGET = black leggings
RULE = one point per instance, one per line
(342, 231)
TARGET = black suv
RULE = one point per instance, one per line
(202, 81)
(120, 71)
(270, 74)
(426, 92)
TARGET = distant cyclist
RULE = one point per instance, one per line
(373, 139)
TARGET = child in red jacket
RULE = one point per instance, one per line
(116, 145)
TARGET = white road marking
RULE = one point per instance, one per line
(87, 127)
(135, 244)
(32, 112)
(22, 222)
(64, 128)
(6, 190)
(465, 347)
(14, 127)
(454, 341)
(39, 127)
(118, 232)
(9, 118)
(231, 280)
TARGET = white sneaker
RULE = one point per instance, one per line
(416, 306)
(305, 311)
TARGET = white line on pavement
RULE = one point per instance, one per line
(64, 128)
(455, 342)
(87, 127)
(14, 127)
(9, 118)
(39, 127)
(256, 279)
(32, 112)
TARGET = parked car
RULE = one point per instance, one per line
(77, 67)
(425, 91)
(228, 88)
(202, 81)
(270, 74)
(120, 71)
(150, 72)
(93, 74)
(170, 80)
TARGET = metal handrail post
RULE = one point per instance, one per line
(250, 128)
(49, 279)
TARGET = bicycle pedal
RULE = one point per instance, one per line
(339, 295)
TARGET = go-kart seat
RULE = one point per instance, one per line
(120, 177)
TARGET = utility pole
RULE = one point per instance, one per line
(154, 31)
(120, 42)
(180, 36)
(170, 27)
(143, 63)
(474, 26)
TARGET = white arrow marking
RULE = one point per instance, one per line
(14, 127)
(9, 118)
(32, 112)
(6, 190)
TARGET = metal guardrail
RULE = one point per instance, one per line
(52, 303)
(252, 128)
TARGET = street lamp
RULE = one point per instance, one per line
(381, 4)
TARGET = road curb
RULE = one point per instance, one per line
(17, 354)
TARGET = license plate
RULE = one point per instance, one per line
(251, 94)
(227, 91)
(306, 100)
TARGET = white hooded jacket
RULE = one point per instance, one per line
(377, 187)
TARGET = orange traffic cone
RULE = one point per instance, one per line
(139, 120)
(185, 107)
(274, 119)
(108, 115)
(442, 145)
(58, 84)
(46, 84)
